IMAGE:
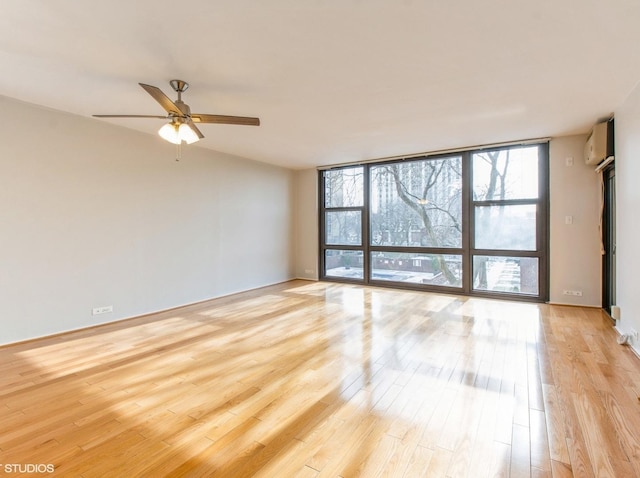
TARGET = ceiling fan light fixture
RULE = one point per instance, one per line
(186, 134)
(169, 132)
(176, 133)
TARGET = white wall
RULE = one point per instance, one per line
(307, 224)
(94, 215)
(574, 190)
(627, 140)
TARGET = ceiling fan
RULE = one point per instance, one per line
(181, 125)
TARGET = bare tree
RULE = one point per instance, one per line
(419, 203)
(424, 189)
(433, 210)
(496, 184)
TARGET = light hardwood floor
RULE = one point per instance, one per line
(318, 379)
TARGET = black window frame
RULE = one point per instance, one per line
(467, 249)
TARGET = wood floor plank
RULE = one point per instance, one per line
(316, 379)
(500, 460)
(555, 426)
(561, 470)
(539, 441)
(520, 451)
(439, 463)
(418, 462)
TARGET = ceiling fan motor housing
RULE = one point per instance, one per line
(184, 108)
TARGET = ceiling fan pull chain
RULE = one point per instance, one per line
(178, 151)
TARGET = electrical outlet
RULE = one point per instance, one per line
(308, 271)
(576, 293)
(102, 310)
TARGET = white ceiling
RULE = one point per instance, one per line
(332, 81)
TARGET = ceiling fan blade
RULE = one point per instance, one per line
(221, 119)
(129, 116)
(163, 99)
(195, 129)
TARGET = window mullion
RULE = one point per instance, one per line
(366, 228)
(467, 222)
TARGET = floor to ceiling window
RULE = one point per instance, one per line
(473, 222)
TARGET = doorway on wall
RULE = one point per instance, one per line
(609, 238)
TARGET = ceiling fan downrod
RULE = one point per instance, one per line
(179, 87)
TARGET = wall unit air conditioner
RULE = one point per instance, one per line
(599, 145)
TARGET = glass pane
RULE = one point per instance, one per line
(339, 263)
(433, 269)
(417, 203)
(506, 174)
(344, 227)
(506, 227)
(343, 187)
(518, 275)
